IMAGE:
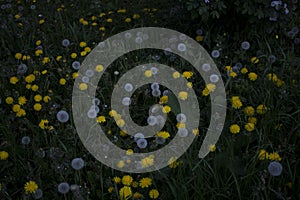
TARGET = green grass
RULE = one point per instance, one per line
(232, 171)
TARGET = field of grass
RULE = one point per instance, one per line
(43, 43)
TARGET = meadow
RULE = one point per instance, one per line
(255, 45)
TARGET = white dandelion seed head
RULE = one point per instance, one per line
(206, 67)
(96, 101)
(25, 140)
(89, 73)
(63, 188)
(245, 45)
(182, 37)
(96, 108)
(76, 65)
(126, 101)
(160, 120)
(62, 116)
(101, 44)
(182, 132)
(160, 140)
(142, 143)
(181, 118)
(145, 36)
(138, 136)
(167, 51)
(128, 87)
(152, 120)
(181, 47)
(154, 70)
(127, 35)
(154, 86)
(38, 194)
(65, 42)
(275, 168)
(22, 69)
(92, 113)
(85, 79)
(215, 54)
(138, 40)
(214, 78)
(156, 93)
(77, 163)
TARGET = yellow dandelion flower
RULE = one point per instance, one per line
(249, 111)
(125, 193)
(212, 147)
(189, 85)
(252, 76)
(99, 68)
(244, 70)
(75, 75)
(252, 120)
(176, 75)
(153, 194)
(163, 134)
(87, 49)
(254, 60)
(9, 100)
(166, 109)
(110, 189)
(233, 74)
(18, 56)
(13, 80)
(127, 180)
(120, 123)
(228, 68)
(37, 106)
(22, 100)
(249, 127)
(127, 20)
(262, 155)
(236, 102)
(180, 125)
(16, 108)
(30, 187)
(187, 74)
(195, 131)
(82, 44)
(34, 88)
(21, 113)
(83, 86)
(38, 52)
(148, 73)
(234, 129)
(183, 95)
(136, 16)
(261, 109)
(147, 161)
(145, 182)
(199, 38)
(62, 81)
(83, 53)
(3, 155)
(120, 164)
(30, 78)
(46, 99)
(73, 55)
(129, 152)
(101, 119)
(163, 99)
